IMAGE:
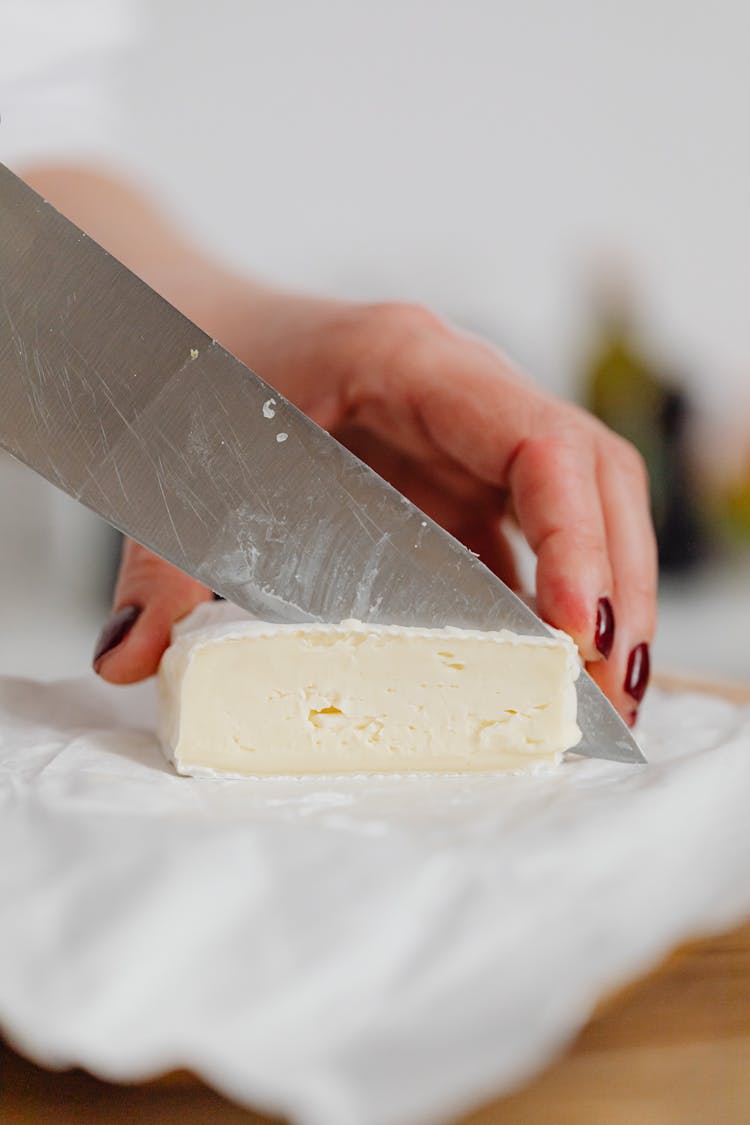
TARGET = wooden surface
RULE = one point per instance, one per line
(673, 1049)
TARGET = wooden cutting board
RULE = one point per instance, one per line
(673, 1049)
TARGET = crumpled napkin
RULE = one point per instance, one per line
(355, 951)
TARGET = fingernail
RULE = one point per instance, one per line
(632, 717)
(115, 631)
(639, 670)
(604, 637)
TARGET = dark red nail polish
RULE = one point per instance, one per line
(115, 631)
(604, 637)
(632, 716)
(639, 670)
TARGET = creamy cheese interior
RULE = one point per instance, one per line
(247, 698)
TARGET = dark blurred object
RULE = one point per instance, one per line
(681, 533)
(637, 400)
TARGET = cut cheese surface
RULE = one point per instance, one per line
(245, 698)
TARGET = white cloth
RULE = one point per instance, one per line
(347, 952)
(59, 60)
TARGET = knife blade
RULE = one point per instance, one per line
(118, 399)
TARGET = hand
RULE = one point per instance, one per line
(447, 420)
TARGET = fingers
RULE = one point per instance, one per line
(623, 484)
(557, 503)
(579, 492)
(150, 596)
(583, 505)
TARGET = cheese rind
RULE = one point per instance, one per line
(245, 698)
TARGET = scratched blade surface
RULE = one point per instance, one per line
(115, 397)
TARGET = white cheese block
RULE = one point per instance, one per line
(241, 698)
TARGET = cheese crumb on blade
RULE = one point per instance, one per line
(247, 698)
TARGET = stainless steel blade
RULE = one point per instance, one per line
(115, 397)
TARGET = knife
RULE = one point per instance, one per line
(119, 400)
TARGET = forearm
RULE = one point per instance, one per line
(273, 332)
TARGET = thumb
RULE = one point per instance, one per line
(150, 596)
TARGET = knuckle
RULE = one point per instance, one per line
(641, 583)
(576, 540)
(405, 321)
(631, 462)
(537, 454)
(564, 454)
(640, 597)
(589, 541)
(645, 591)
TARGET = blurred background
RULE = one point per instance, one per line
(569, 180)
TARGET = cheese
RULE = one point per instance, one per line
(242, 698)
